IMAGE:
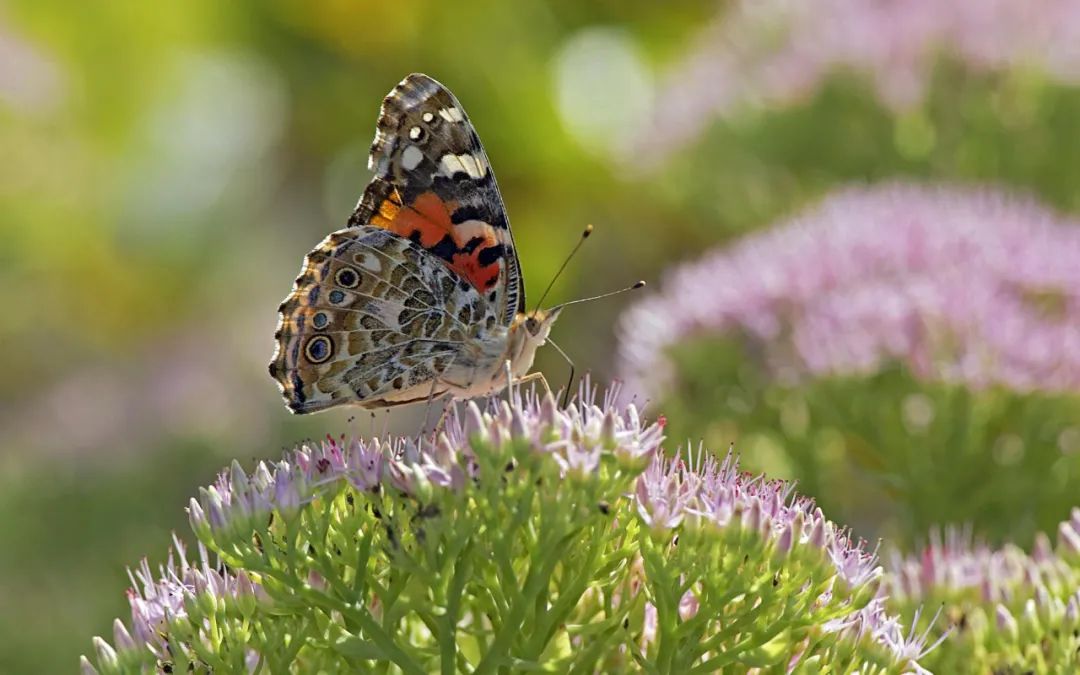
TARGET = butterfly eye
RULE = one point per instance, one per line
(532, 325)
(319, 349)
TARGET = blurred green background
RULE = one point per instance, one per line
(167, 166)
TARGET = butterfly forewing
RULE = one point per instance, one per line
(434, 185)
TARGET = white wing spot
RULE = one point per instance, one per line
(415, 133)
(411, 157)
(452, 114)
(368, 262)
(450, 164)
(428, 117)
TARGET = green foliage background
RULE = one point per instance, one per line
(155, 208)
(889, 455)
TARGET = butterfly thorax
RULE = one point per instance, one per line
(481, 371)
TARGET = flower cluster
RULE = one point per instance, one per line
(960, 285)
(708, 494)
(415, 467)
(706, 497)
(521, 533)
(180, 589)
(1013, 610)
(778, 52)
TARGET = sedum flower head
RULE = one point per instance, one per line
(773, 53)
(522, 535)
(181, 616)
(705, 501)
(960, 285)
(1006, 610)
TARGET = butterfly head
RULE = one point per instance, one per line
(527, 334)
(538, 323)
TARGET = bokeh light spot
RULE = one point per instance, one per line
(604, 90)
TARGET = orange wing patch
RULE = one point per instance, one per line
(427, 221)
(388, 210)
(469, 265)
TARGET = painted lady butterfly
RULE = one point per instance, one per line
(421, 295)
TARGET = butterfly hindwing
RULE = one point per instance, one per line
(434, 185)
(374, 319)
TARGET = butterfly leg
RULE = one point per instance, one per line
(534, 377)
(427, 407)
(447, 396)
(442, 418)
(514, 388)
(513, 394)
(444, 399)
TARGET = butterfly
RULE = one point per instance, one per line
(420, 296)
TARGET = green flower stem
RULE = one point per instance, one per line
(757, 639)
(208, 656)
(371, 628)
(585, 660)
(541, 565)
(448, 638)
(359, 615)
(508, 583)
(640, 661)
(363, 557)
(667, 604)
(293, 646)
(569, 594)
(392, 612)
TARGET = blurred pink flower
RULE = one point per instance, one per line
(959, 284)
(953, 563)
(776, 52)
(1019, 592)
(32, 82)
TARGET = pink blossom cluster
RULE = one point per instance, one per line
(954, 563)
(775, 52)
(706, 493)
(157, 600)
(574, 436)
(874, 622)
(960, 285)
(713, 494)
(1028, 597)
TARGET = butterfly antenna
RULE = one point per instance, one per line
(640, 284)
(584, 236)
